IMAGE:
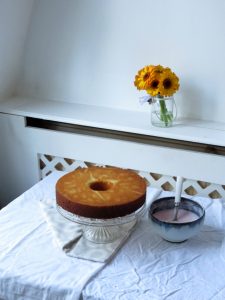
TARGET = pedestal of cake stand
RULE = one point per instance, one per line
(102, 233)
(103, 230)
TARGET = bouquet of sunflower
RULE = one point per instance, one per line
(160, 83)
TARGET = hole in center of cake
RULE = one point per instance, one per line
(100, 185)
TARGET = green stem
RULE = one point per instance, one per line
(163, 112)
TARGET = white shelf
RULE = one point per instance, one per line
(115, 119)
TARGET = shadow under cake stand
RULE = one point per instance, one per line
(103, 230)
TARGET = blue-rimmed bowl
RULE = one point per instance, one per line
(176, 232)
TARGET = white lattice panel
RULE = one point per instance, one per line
(49, 163)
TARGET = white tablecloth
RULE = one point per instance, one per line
(146, 267)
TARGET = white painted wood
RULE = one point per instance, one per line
(21, 146)
(49, 164)
(19, 165)
(211, 133)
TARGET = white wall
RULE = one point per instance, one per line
(89, 51)
(14, 20)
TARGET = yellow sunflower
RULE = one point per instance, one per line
(142, 78)
(154, 84)
(169, 83)
(157, 69)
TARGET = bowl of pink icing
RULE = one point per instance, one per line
(190, 219)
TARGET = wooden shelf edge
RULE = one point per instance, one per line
(196, 131)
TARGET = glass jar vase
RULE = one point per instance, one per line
(163, 111)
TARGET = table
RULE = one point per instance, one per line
(146, 267)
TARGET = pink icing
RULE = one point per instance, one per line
(183, 216)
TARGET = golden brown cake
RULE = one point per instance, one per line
(103, 193)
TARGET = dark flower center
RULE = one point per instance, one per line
(146, 76)
(154, 84)
(167, 83)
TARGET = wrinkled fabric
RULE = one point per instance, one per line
(68, 236)
(32, 266)
(152, 268)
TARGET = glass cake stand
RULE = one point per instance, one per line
(103, 230)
